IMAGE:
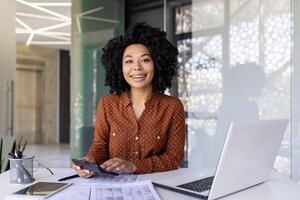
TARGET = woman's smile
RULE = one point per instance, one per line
(138, 67)
(138, 78)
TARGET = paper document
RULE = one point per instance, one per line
(106, 179)
(103, 179)
(142, 190)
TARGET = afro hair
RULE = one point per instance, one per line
(163, 53)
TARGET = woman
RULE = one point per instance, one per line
(138, 129)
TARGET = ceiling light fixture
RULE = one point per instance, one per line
(44, 9)
(64, 37)
(57, 33)
(29, 39)
(85, 13)
(39, 16)
(51, 42)
(24, 25)
(54, 36)
(90, 11)
(100, 19)
(25, 31)
(53, 27)
(29, 29)
(83, 16)
(52, 4)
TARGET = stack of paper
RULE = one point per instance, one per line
(142, 190)
(122, 187)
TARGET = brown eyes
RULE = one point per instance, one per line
(145, 60)
(128, 61)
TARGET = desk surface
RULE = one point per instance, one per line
(277, 188)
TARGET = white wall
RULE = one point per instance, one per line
(7, 67)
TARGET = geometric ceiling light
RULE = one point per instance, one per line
(84, 14)
(48, 31)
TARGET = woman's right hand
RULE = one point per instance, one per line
(84, 173)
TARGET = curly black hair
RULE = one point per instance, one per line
(163, 53)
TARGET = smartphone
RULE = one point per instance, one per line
(92, 167)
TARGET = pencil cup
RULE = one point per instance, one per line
(21, 170)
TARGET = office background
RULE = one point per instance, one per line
(238, 60)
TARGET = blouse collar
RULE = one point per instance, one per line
(152, 99)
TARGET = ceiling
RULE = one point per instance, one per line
(44, 23)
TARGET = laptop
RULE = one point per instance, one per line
(246, 160)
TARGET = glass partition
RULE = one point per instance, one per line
(235, 64)
(296, 92)
(93, 24)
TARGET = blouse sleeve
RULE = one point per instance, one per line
(99, 150)
(174, 152)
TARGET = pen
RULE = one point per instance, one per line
(24, 146)
(69, 177)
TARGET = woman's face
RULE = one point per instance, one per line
(138, 66)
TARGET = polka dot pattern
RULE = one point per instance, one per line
(154, 142)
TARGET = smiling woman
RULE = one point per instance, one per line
(138, 71)
(138, 67)
(138, 128)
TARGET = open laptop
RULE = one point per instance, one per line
(246, 160)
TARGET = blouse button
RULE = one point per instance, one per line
(136, 152)
(158, 137)
(136, 138)
(114, 134)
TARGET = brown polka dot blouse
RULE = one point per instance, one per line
(154, 142)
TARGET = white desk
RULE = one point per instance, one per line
(277, 188)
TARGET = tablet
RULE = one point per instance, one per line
(41, 189)
(92, 167)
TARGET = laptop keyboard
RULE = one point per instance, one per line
(199, 185)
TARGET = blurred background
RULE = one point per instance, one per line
(238, 60)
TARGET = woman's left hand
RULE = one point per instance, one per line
(119, 165)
